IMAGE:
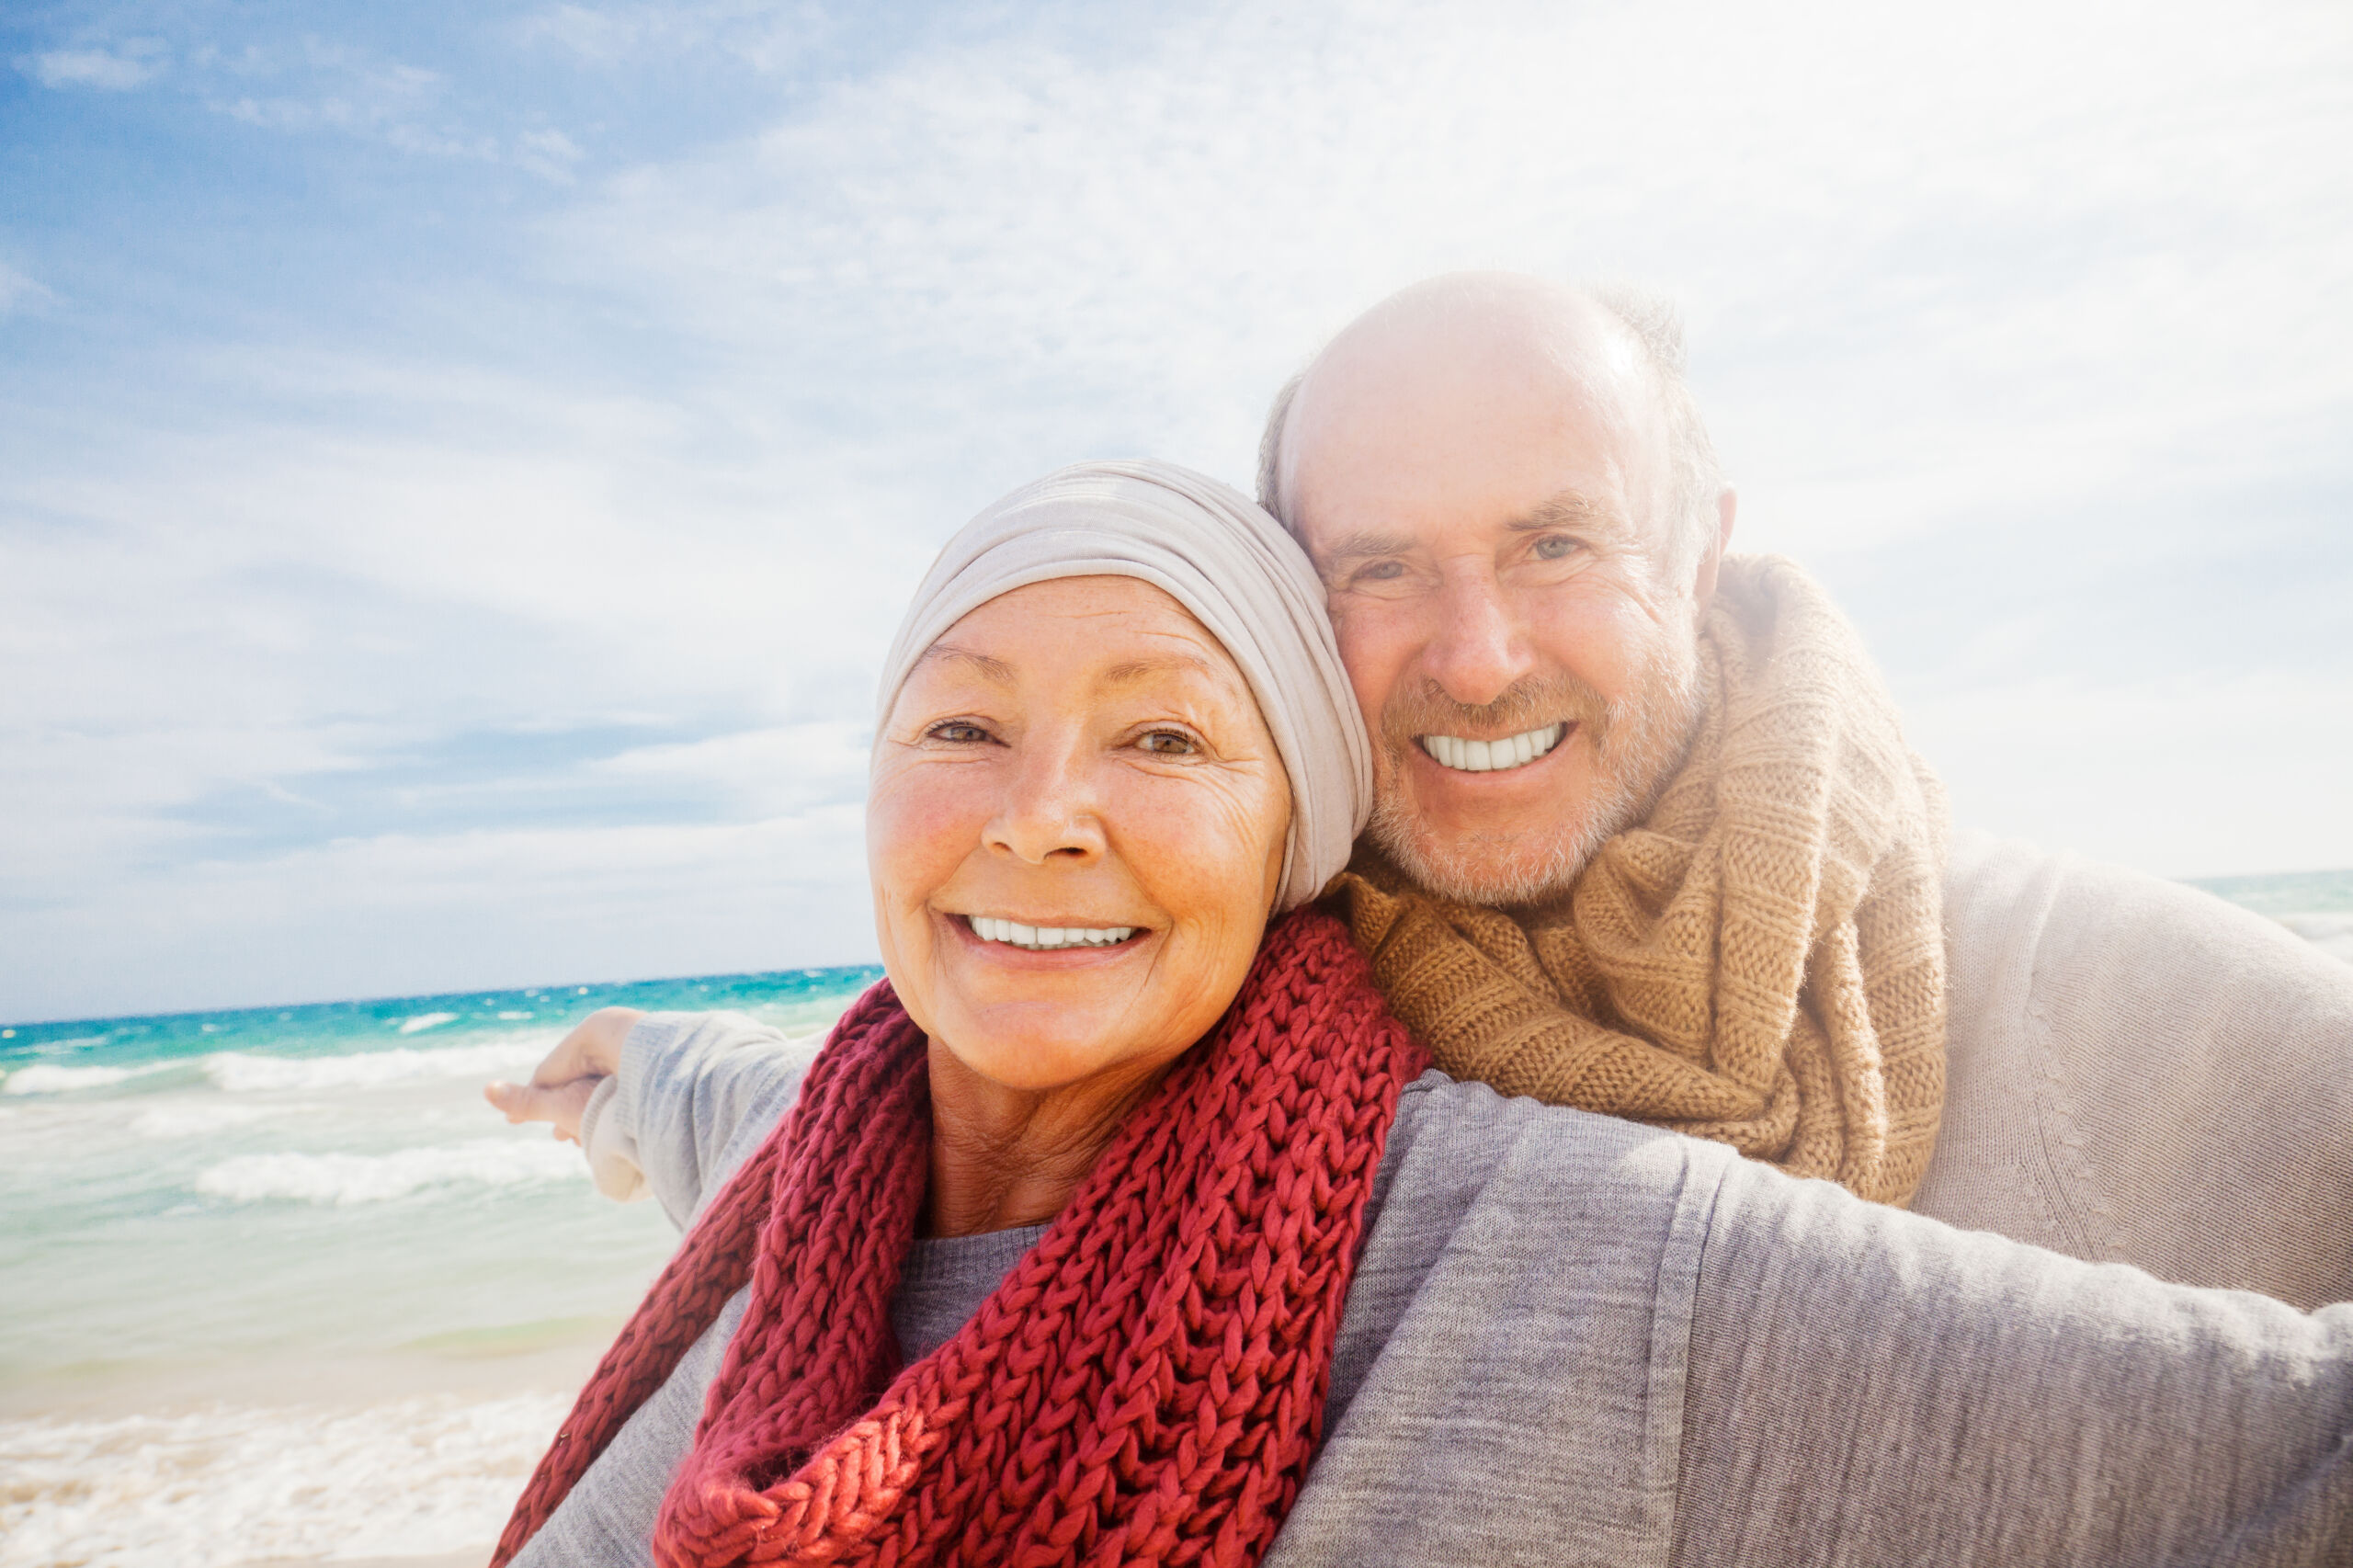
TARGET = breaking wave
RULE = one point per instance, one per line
(340, 1180)
(43, 1078)
(244, 1073)
(417, 1478)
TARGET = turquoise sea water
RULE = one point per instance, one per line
(280, 1286)
(285, 1268)
(2289, 893)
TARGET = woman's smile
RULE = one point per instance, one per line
(1059, 937)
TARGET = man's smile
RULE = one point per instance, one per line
(1493, 756)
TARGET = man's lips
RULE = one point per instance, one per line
(1457, 754)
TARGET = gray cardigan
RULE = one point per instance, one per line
(1573, 1339)
(2139, 1073)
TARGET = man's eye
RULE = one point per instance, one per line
(1169, 743)
(1381, 572)
(958, 733)
(1555, 546)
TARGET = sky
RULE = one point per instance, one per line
(461, 464)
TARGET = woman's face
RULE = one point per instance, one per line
(1076, 832)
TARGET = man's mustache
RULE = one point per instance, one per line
(1529, 703)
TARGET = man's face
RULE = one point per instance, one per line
(1493, 529)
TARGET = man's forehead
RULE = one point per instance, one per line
(1398, 426)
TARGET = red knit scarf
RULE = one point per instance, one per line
(1146, 1386)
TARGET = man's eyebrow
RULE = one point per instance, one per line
(996, 672)
(1362, 542)
(1569, 509)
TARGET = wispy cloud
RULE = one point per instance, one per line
(510, 602)
(21, 292)
(133, 63)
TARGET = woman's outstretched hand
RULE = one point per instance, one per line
(561, 1083)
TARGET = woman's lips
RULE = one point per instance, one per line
(1042, 938)
(1005, 938)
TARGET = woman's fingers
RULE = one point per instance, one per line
(560, 1105)
(592, 1049)
(566, 1076)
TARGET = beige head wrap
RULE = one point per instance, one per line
(1228, 563)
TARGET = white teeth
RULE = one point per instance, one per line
(1493, 756)
(1044, 938)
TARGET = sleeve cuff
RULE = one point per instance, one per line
(610, 1149)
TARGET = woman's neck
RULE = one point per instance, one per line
(1003, 1157)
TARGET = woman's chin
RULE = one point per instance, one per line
(1032, 1062)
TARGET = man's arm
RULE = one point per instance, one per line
(2140, 1072)
(1867, 1386)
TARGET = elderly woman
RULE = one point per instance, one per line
(1123, 1225)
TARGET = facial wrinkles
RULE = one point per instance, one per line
(1636, 743)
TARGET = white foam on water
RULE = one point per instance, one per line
(43, 1078)
(341, 1180)
(200, 1120)
(419, 1477)
(242, 1072)
(2330, 933)
(424, 1021)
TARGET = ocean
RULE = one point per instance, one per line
(280, 1288)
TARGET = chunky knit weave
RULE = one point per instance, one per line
(1761, 962)
(1145, 1387)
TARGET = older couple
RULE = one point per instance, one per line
(1126, 1221)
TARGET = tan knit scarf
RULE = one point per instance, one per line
(1761, 963)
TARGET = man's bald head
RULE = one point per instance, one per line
(1504, 338)
(1517, 519)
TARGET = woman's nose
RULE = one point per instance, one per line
(1047, 810)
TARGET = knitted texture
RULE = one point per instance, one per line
(1761, 962)
(1146, 1386)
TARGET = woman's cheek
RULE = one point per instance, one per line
(1199, 851)
(919, 827)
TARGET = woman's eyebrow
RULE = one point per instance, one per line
(1127, 672)
(996, 672)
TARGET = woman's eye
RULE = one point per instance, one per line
(1169, 743)
(958, 733)
(1555, 546)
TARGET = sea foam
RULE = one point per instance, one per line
(2331, 933)
(43, 1078)
(420, 1477)
(244, 1073)
(341, 1180)
(199, 1120)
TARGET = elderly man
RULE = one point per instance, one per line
(1650, 840)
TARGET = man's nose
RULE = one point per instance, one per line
(1048, 811)
(1479, 648)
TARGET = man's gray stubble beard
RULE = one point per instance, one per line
(1638, 741)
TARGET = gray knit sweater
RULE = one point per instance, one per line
(1573, 1339)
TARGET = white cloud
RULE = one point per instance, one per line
(2018, 323)
(2185, 775)
(396, 913)
(19, 292)
(134, 65)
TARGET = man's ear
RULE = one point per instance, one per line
(1703, 585)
